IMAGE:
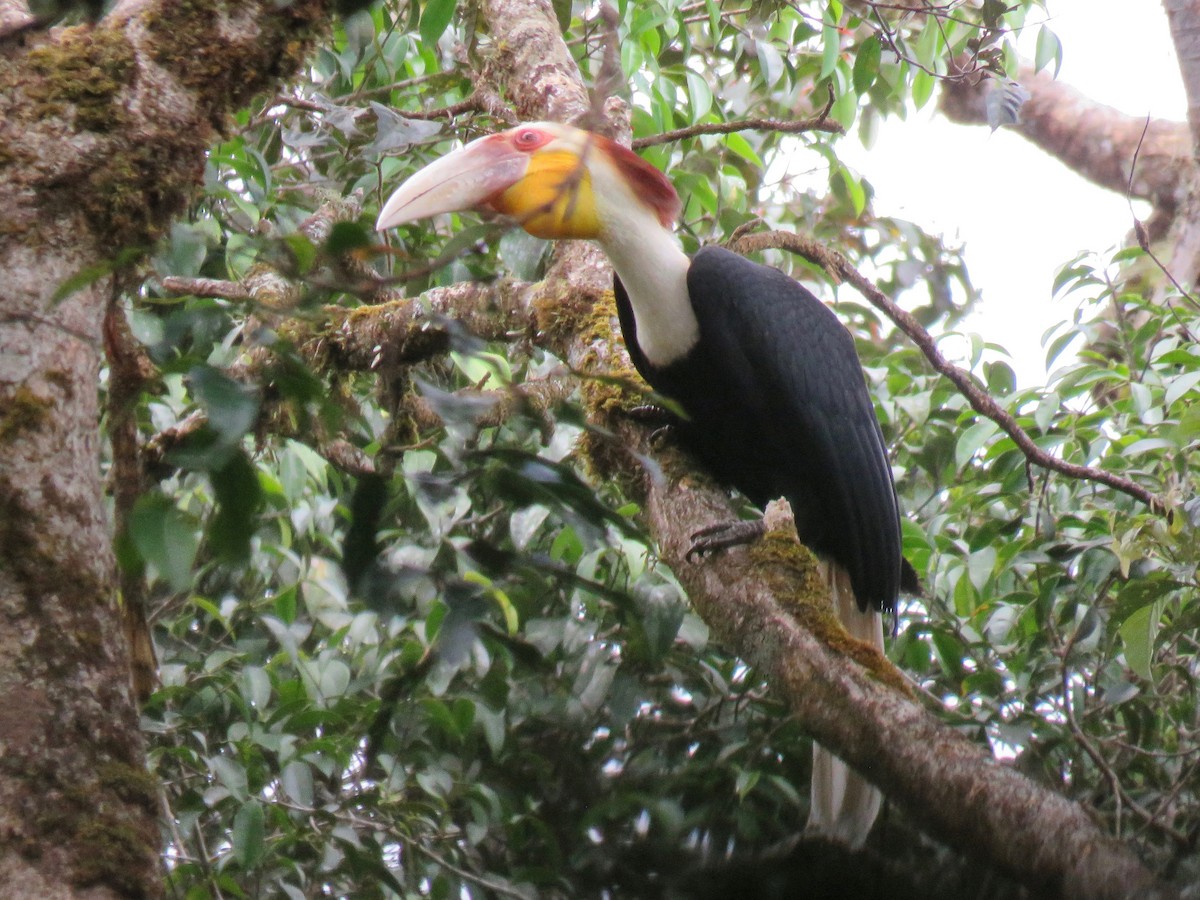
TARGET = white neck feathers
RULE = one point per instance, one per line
(652, 267)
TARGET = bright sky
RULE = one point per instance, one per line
(1019, 213)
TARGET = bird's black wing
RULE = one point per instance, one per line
(808, 429)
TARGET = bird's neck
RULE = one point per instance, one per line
(653, 268)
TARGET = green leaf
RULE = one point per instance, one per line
(165, 538)
(1047, 409)
(285, 605)
(1048, 50)
(854, 190)
(91, 274)
(302, 250)
(512, 619)
(335, 679)
(866, 64)
(1143, 399)
(231, 407)
(186, 249)
(248, 835)
(973, 439)
(1138, 632)
(744, 782)
(395, 132)
(700, 94)
(770, 63)
(463, 712)
(845, 108)
(1180, 385)
(662, 617)
(297, 782)
(1145, 445)
(493, 726)
(562, 12)
(922, 88)
(435, 18)
(742, 148)
(435, 781)
(929, 42)
(831, 50)
(231, 774)
(346, 237)
(239, 499)
(256, 686)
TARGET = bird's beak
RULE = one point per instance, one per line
(465, 179)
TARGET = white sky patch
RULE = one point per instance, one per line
(1020, 214)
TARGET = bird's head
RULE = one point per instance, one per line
(555, 180)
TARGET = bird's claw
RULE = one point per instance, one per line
(722, 536)
(660, 436)
(650, 414)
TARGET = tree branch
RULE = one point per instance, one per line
(953, 787)
(1094, 140)
(15, 19)
(818, 122)
(980, 400)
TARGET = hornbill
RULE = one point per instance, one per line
(773, 394)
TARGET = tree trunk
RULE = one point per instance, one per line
(103, 133)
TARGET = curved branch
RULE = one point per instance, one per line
(980, 400)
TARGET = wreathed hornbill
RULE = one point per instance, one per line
(774, 395)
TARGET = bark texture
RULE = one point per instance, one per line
(765, 604)
(102, 139)
(1183, 17)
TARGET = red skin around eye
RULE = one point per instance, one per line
(529, 139)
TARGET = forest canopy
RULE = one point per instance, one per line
(415, 578)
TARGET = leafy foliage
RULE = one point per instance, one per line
(458, 670)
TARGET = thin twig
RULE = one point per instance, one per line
(1143, 238)
(980, 400)
(819, 122)
(173, 827)
(610, 78)
(1121, 796)
(206, 861)
(501, 889)
(473, 103)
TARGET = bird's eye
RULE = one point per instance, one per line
(528, 138)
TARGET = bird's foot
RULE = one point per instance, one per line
(724, 535)
(650, 414)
